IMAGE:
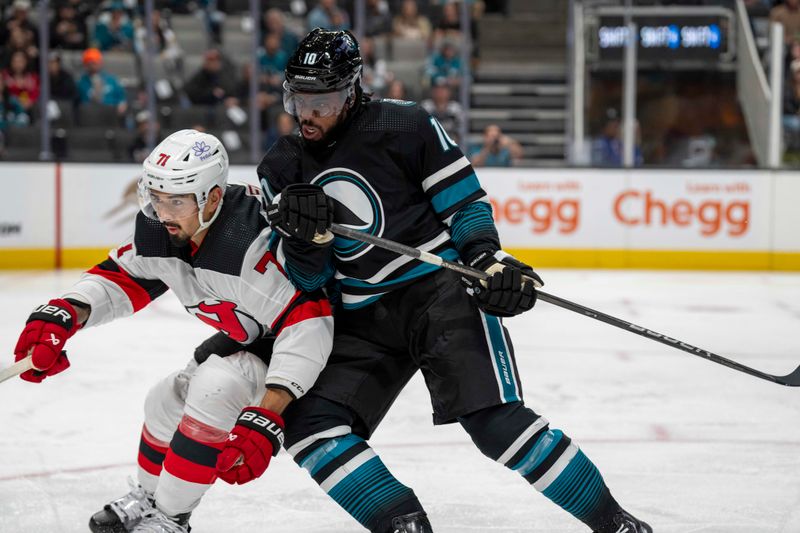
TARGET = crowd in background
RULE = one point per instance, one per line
(203, 67)
(98, 103)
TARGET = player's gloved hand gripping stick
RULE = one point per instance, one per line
(791, 380)
(302, 211)
(508, 289)
(40, 349)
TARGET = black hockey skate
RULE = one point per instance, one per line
(412, 523)
(122, 514)
(624, 522)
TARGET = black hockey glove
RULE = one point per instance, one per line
(217, 344)
(303, 211)
(510, 288)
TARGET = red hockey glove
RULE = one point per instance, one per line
(254, 441)
(46, 332)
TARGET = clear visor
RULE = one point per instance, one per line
(166, 207)
(300, 104)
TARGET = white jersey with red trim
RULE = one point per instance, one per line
(231, 282)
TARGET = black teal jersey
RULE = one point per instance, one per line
(232, 282)
(394, 173)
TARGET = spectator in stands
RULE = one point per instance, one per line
(11, 111)
(397, 90)
(138, 149)
(375, 75)
(272, 58)
(445, 64)
(62, 85)
(19, 19)
(792, 54)
(497, 149)
(166, 42)
(329, 16)
(447, 111)
(377, 18)
(68, 31)
(409, 24)
(284, 124)
(22, 41)
(274, 23)
(114, 29)
(791, 108)
(787, 14)
(99, 87)
(268, 96)
(213, 83)
(21, 82)
(607, 148)
(449, 24)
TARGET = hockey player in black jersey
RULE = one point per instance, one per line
(389, 169)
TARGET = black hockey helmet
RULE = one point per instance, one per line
(325, 61)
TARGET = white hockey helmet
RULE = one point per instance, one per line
(186, 162)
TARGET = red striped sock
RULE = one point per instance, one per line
(151, 453)
(191, 460)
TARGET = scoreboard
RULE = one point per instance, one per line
(699, 37)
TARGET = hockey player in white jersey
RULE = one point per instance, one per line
(210, 243)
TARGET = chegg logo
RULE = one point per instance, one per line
(642, 208)
(543, 214)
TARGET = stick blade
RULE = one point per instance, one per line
(790, 380)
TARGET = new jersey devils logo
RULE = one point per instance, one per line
(229, 319)
(357, 206)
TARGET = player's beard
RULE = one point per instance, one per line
(327, 137)
(178, 240)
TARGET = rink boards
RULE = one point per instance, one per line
(70, 215)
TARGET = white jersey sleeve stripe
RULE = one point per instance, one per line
(444, 173)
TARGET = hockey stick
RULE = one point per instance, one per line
(791, 380)
(16, 369)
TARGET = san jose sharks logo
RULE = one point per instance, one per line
(357, 206)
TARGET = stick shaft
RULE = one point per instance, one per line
(792, 379)
(410, 251)
(16, 369)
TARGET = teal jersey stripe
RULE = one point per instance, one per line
(449, 254)
(455, 193)
(502, 358)
(538, 454)
(470, 221)
(329, 451)
(367, 490)
(425, 268)
(305, 282)
(578, 488)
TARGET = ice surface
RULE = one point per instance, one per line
(688, 445)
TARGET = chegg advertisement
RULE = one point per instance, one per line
(661, 210)
(71, 214)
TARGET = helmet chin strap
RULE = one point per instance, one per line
(205, 225)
